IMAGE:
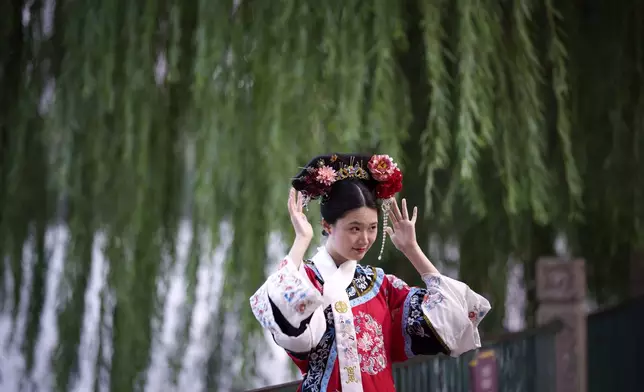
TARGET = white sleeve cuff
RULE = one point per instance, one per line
(293, 293)
(297, 299)
(455, 312)
(309, 339)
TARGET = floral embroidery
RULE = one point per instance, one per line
(476, 314)
(433, 295)
(282, 264)
(319, 356)
(375, 278)
(298, 296)
(363, 282)
(259, 307)
(351, 354)
(415, 311)
(351, 292)
(432, 281)
(418, 334)
(262, 310)
(397, 282)
(344, 327)
(360, 282)
(322, 359)
(432, 298)
(371, 344)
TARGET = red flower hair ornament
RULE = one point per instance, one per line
(379, 172)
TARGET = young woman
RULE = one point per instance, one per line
(342, 323)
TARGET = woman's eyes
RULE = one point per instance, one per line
(356, 229)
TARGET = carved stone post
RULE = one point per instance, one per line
(561, 292)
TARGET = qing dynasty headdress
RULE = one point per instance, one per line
(379, 172)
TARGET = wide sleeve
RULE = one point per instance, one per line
(288, 305)
(443, 317)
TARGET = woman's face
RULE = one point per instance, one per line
(352, 235)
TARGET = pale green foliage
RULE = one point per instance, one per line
(133, 115)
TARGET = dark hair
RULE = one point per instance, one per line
(346, 195)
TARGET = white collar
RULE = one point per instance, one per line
(342, 276)
(336, 281)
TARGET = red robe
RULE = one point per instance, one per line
(363, 319)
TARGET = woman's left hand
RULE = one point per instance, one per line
(402, 229)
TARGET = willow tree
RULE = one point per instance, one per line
(563, 156)
(120, 121)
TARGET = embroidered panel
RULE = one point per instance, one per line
(371, 344)
(368, 287)
(320, 359)
(433, 295)
(333, 355)
(476, 314)
(419, 336)
(297, 296)
(397, 283)
(365, 285)
(346, 344)
(364, 281)
(262, 309)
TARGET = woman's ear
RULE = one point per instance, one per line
(326, 226)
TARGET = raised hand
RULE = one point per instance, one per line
(402, 229)
(303, 228)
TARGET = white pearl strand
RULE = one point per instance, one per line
(386, 204)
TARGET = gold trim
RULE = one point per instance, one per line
(438, 337)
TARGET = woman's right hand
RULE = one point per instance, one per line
(303, 228)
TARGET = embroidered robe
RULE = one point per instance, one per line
(345, 326)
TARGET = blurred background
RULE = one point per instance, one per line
(146, 150)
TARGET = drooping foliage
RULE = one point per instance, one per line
(514, 120)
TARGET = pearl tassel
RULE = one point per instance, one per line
(385, 218)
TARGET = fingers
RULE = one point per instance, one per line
(291, 201)
(405, 213)
(396, 215)
(392, 217)
(299, 203)
(396, 211)
(295, 201)
(389, 231)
